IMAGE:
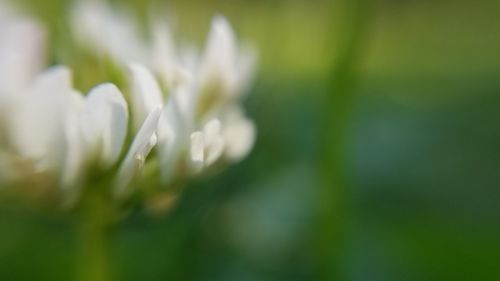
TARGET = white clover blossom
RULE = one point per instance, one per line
(198, 90)
(65, 133)
(196, 105)
(185, 109)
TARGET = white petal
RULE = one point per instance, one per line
(218, 74)
(214, 143)
(197, 151)
(174, 130)
(170, 153)
(74, 156)
(57, 77)
(214, 150)
(146, 93)
(171, 139)
(206, 146)
(139, 150)
(221, 46)
(37, 129)
(22, 49)
(104, 122)
(164, 53)
(239, 134)
(218, 65)
(212, 130)
(183, 101)
(107, 30)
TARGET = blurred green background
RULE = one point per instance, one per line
(422, 162)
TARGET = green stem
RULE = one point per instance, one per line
(94, 231)
(333, 219)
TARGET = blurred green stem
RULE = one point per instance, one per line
(350, 26)
(94, 231)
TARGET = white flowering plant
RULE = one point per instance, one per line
(176, 113)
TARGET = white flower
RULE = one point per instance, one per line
(239, 133)
(223, 72)
(111, 32)
(200, 90)
(225, 62)
(63, 132)
(232, 138)
(165, 59)
(136, 156)
(107, 31)
(175, 123)
(207, 145)
(22, 50)
(183, 104)
(37, 124)
(104, 120)
(146, 93)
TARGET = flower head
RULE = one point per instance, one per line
(185, 113)
(66, 134)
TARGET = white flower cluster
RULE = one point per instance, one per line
(185, 108)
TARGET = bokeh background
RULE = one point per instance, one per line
(420, 157)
